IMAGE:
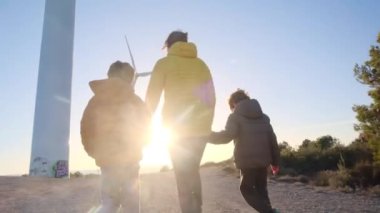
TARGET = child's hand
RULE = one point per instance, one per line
(275, 169)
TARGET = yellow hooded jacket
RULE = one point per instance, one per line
(189, 94)
(115, 124)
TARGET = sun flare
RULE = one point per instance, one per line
(156, 152)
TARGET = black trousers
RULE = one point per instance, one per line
(186, 155)
(253, 187)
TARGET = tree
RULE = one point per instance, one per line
(326, 142)
(305, 144)
(369, 116)
(285, 148)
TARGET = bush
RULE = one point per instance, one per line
(323, 177)
(357, 152)
(362, 173)
(76, 174)
(365, 174)
(310, 158)
(331, 163)
(341, 179)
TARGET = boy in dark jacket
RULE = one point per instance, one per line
(113, 129)
(256, 148)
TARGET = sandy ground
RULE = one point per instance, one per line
(221, 195)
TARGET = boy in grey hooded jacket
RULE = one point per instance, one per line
(255, 150)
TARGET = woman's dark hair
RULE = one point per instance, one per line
(174, 37)
(236, 97)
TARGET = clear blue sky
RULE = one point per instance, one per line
(295, 57)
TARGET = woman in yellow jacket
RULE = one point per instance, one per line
(188, 110)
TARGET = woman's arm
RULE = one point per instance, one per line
(155, 87)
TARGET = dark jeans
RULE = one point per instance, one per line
(186, 155)
(253, 187)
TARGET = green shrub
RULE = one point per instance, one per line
(341, 179)
(362, 173)
(365, 174)
(357, 152)
(76, 174)
(323, 177)
(312, 158)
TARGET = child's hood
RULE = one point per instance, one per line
(110, 87)
(249, 108)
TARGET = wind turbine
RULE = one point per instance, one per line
(51, 128)
(141, 74)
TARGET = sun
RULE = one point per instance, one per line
(155, 154)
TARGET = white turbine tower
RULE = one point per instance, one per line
(51, 130)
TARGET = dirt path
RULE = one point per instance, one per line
(221, 195)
